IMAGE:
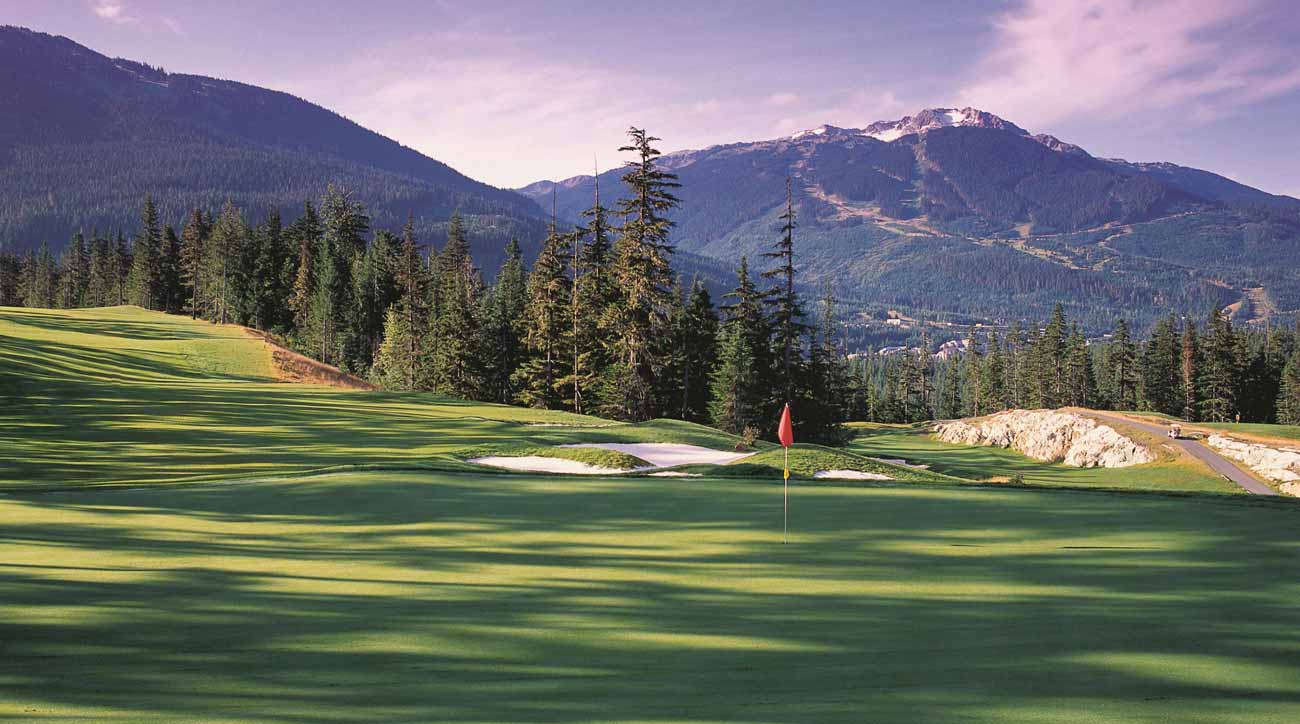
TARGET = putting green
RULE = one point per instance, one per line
(462, 598)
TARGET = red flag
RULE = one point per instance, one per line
(785, 433)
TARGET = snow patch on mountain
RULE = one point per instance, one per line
(925, 121)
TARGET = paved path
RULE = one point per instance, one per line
(1217, 462)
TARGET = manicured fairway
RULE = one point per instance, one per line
(461, 598)
(122, 395)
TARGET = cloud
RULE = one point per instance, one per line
(782, 99)
(1108, 59)
(113, 11)
(173, 25)
(854, 109)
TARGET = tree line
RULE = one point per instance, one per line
(599, 324)
(1209, 371)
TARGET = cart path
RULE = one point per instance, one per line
(1217, 462)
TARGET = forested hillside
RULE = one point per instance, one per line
(84, 137)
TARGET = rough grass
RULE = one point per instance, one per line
(420, 597)
(917, 446)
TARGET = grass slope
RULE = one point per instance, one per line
(122, 395)
(384, 597)
(1283, 434)
(917, 446)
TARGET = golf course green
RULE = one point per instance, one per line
(183, 538)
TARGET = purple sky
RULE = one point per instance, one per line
(514, 92)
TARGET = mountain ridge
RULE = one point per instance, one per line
(70, 112)
(886, 220)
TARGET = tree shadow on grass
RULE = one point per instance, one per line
(163, 329)
(405, 597)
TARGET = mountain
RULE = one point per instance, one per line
(957, 213)
(84, 137)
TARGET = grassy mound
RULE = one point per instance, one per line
(589, 455)
(806, 460)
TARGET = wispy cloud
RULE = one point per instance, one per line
(113, 11)
(782, 99)
(173, 25)
(1109, 59)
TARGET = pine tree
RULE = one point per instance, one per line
(374, 290)
(539, 379)
(643, 277)
(505, 325)
(1121, 384)
(10, 271)
(950, 384)
(393, 364)
(1081, 387)
(1217, 383)
(304, 235)
(1189, 367)
(738, 402)
(147, 261)
(456, 363)
(74, 281)
(595, 292)
(786, 310)
(272, 288)
(1161, 389)
(699, 344)
(171, 291)
(223, 261)
(120, 268)
(1049, 354)
(343, 225)
(97, 271)
(822, 408)
(1288, 398)
(991, 378)
(193, 255)
(403, 364)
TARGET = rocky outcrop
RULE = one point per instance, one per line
(1050, 436)
(1281, 465)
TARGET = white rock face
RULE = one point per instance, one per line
(1278, 464)
(1050, 436)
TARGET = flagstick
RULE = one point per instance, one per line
(785, 520)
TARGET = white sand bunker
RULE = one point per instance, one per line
(539, 464)
(674, 474)
(668, 454)
(850, 475)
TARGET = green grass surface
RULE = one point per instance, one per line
(1251, 429)
(385, 595)
(591, 456)
(413, 597)
(805, 460)
(917, 446)
(122, 395)
(1245, 429)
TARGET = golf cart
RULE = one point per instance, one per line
(1175, 431)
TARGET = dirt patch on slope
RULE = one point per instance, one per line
(293, 367)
